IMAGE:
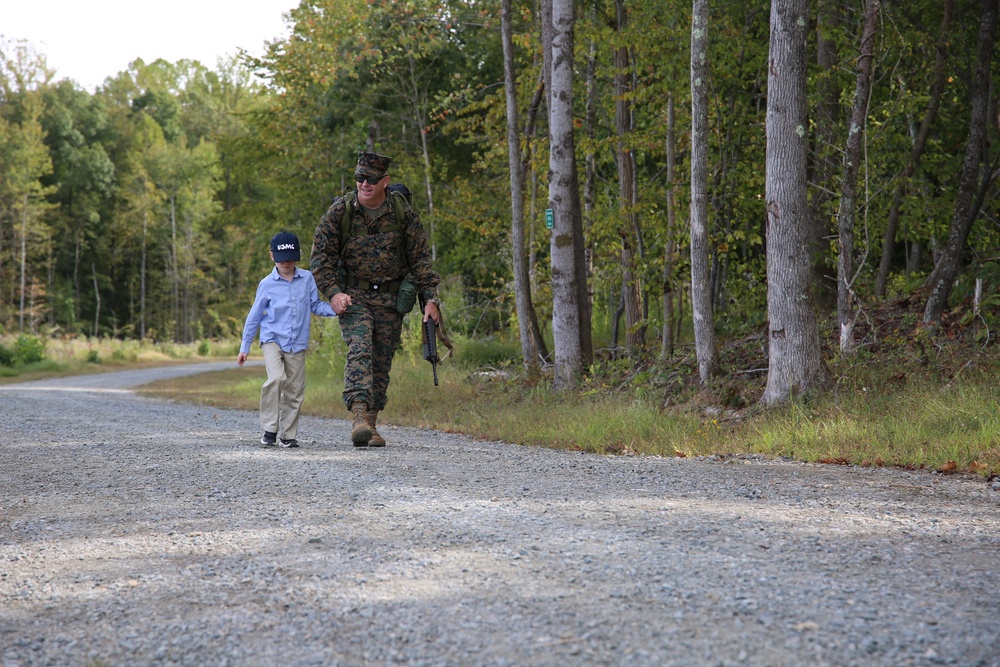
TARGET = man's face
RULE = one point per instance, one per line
(371, 194)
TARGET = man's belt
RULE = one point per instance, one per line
(360, 283)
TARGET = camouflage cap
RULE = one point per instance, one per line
(372, 164)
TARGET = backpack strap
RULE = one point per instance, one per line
(345, 221)
(399, 208)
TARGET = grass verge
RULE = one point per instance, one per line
(947, 427)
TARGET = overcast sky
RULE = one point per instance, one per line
(90, 40)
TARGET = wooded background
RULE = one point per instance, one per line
(144, 209)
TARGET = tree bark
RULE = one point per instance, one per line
(522, 283)
(795, 359)
(565, 244)
(701, 287)
(967, 207)
(856, 135)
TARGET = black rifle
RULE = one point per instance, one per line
(429, 347)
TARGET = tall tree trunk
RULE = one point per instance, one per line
(530, 132)
(550, 53)
(50, 263)
(426, 155)
(615, 324)
(590, 162)
(97, 299)
(76, 277)
(564, 195)
(967, 207)
(522, 283)
(795, 358)
(142, 277)
(917, 151)
(667, 347)
(3, 267)
(824, 163)
(24, 259)
(582, 280)
(640, 244)
(174, 268)
(187, 307)
(856, 135)
(626, 189)
(701, 288)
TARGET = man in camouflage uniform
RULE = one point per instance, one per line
(364, 294)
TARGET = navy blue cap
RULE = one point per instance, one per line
(285, 247)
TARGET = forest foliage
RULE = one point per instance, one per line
(143, 209)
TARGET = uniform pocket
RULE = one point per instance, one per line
(406, 297)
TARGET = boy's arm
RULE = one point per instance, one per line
(317, 305)
(254, 317)
(324, 309)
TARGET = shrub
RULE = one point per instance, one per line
(6, 356)
(491, 351)
(119, 354)
(29, 349)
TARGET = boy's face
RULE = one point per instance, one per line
(284, 268)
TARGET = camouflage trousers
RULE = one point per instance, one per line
(372, 335)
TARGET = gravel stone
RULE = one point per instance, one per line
(136, 531)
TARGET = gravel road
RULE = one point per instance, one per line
(135, 531)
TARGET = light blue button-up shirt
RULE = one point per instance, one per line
(281, 309)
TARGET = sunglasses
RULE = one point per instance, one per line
(372, 180)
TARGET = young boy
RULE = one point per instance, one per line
(285, 299)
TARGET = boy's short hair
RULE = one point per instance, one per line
(285, 247)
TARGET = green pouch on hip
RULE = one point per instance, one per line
(406, 297)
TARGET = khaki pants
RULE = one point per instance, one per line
(283, 391)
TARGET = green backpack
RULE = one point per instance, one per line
(406, 291)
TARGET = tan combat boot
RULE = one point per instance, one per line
(376, 439)
(361, 432)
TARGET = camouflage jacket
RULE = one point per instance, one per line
(373, 255)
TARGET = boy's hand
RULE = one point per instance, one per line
(241, 358)
(340, 302)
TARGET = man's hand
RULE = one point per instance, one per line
(431, 310)
(241, 358)
(340, 302)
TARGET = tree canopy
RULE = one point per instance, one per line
(144, 209)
